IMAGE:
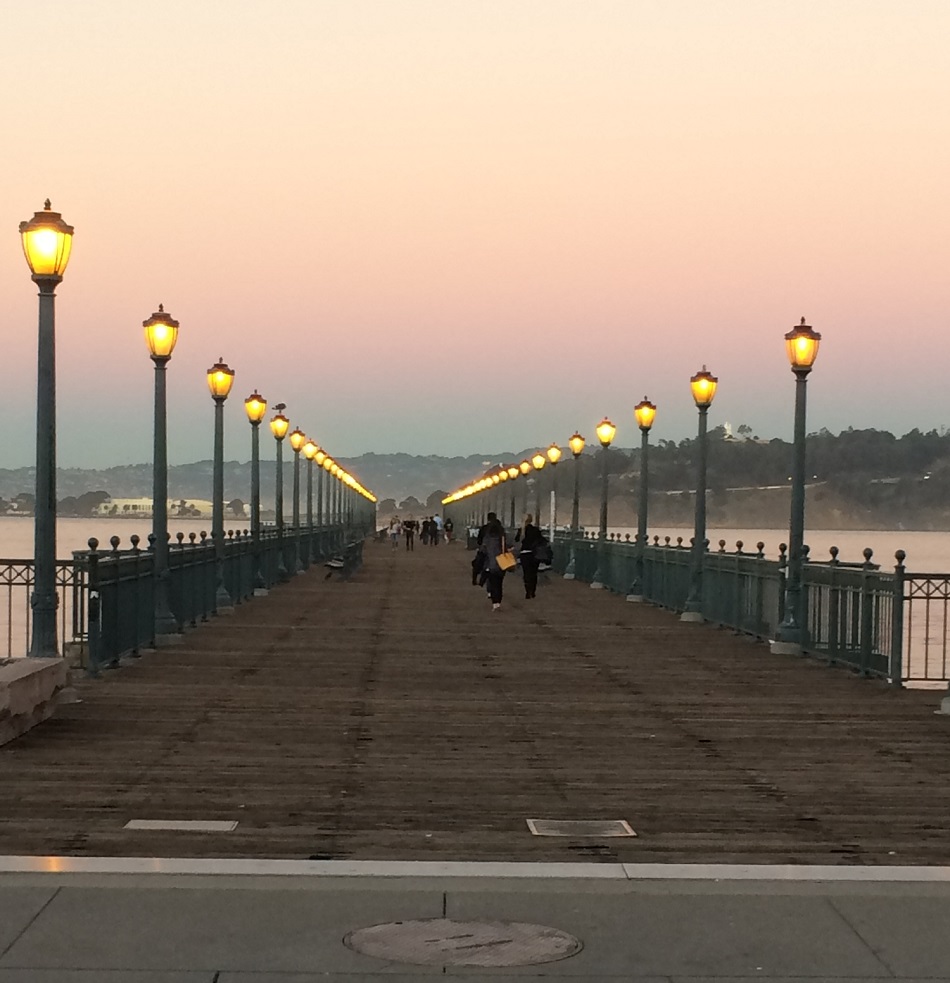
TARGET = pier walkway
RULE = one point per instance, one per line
(393, 729)
(396, 717)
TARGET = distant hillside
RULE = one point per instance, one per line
(387, 475)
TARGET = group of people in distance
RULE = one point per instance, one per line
(431, 530)
(533, 550)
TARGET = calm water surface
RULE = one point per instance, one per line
(927, 552)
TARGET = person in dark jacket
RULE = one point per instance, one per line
(530, 537)
(492, 541)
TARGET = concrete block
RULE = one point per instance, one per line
(29, 690)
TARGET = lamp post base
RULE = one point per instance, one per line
(569, 576)
(777, 647)
(596, 585)
(635, 598)
(261, 592)
(694, 617)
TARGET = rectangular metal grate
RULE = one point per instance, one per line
(592, 829)
(183, 825)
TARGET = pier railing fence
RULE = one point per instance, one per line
(106, 594)
(886, 623)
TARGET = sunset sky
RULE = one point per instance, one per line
(459, 226)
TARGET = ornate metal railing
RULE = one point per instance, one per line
(107, 599)
(16, 586)
(886, 623)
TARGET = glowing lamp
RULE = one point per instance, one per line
(554, 453)
(802, 343)
(503, 475)
(538, 461)
(606, 432)
(513, 471)
(255, 406)
(297, 439)
(576, 443)
(47, 242)
(703, 385)
(495, 479)
(310, 450)
(161, 334)
(524, 467)
(279, 425)
(220, 379)
(328, 463)
(320, 456)
(645, 414)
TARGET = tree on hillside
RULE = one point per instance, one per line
(411, 504)
(236, 508)
(88, 502)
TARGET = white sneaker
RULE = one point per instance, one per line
(495, 607)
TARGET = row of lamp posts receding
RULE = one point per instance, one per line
(47, 243)
(802, 349)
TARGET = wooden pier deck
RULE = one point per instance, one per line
(396, 717)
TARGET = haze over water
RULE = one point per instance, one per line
(927, 552)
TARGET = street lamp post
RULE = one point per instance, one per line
(47, 243)
(554, 455)
(525, 468)
(644, 413)
(297, 439)
(802, 347)
(703, 386)
(279, 426)
(537, 462)
(606, 432)
(513, 473)
(309, 452)
(576, 444)
(256, 406)
(220, 380)
(161, 335)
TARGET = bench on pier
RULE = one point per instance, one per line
(346, 563)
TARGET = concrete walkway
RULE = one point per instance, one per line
(226, 928)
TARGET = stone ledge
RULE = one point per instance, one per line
(29, 689)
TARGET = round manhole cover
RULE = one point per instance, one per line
(444, 942)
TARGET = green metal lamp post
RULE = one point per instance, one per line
(606, 432)
(703, 386)
(554, 455)
(161, 336)
(309, 452)
(576, 444)
(47, 243)
(256, 406)
(220, 380)
(525, 468)
(297, 439)
(279, 425)
(320, 457)
(644, 413)
(513, 473)
(537, 462)
(802, 346)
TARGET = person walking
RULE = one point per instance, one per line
(409, 528)
(530, 537)
(493, 543)
(395, 530)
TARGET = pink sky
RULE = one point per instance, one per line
(453, 227)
